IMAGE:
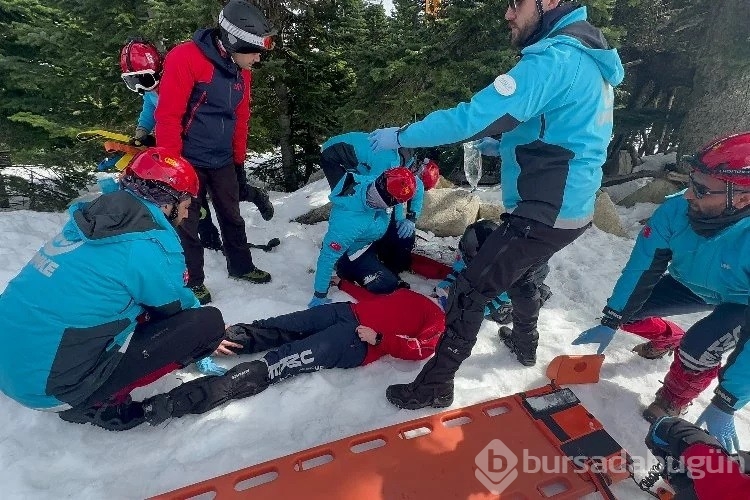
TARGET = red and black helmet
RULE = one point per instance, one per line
(141, 65)
(430, 174)
(156, 164)
(396, 185)
(726, 159)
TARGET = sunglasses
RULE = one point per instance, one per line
(514, 4)
(140, 81)
(700, 191)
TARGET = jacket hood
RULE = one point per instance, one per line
(351, 193)
(205, 39)
(115, 217)
(567, 24)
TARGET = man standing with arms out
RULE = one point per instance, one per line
(702, 239)
(203, 113)
(552, 113)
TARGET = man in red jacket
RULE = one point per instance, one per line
(697, 466)
(404, 324)
(203, 114)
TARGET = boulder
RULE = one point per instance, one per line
(653, 192)
(315, 215)
(605, 216)
(447, 212)
(490, 211)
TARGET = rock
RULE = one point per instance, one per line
(490, 211)
(653, 192)
(315, 176)
(444, 183)
(447, 212)
(315, 215)
(605, 216)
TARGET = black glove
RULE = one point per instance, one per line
(144, 141)
(670, 436)
(209, 235)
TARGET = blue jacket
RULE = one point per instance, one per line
(352, 151)
(352, 226)
(553, 111)
(146, 119)
(68, 316)
(716, 269)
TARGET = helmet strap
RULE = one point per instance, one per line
(730, 210)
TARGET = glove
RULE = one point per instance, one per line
(384, 139)
(720, 424)
(318, 301)
(671, 436)
(207, 367)
(599, 334)
(488, 147)
(405, 228)
(142, 138)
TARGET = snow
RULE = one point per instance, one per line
(43, 457)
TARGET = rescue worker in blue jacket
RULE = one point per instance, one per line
(351, 152)
(702, 240)
(550, 119)
(359, 217)
(103, 307)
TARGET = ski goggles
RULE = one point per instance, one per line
(140, 81)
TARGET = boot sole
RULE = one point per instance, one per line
(417, 405)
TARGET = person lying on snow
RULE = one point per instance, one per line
(404, 324)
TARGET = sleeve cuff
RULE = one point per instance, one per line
(724, 401)
(321, 295)
(611, 318)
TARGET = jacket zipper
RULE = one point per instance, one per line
(194, 111)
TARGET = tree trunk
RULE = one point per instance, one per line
(719, 103)
(285, 139)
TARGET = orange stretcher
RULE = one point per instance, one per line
(537, 444)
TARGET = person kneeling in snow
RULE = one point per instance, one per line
(103, 308)
(359, 217)
(404, 324)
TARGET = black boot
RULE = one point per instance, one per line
(259, 198)
(434, 384)
(255, 338)
(113, 417)
(522, 345)
(206, 393)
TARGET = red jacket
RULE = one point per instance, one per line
(410, 323)
(714, 474)
(204, 104)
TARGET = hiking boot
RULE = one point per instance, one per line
(663, 406)
(649, 351)
(527, 357)
(259, 198)
(112, 417)
(201, 293)
(415, 396)
(257, 276)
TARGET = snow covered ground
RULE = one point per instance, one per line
(43, 457)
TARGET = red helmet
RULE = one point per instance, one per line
(157, 164)
(396, 185)
(726, 159)
(430, 174)
(141, 66)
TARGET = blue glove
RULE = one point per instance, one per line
(599, 334)
(405, 228)
(207, 367)
(384, 138)
(720, 425)
(488, 147)
(318, 301)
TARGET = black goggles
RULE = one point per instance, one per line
(140, 81)
(514, 4)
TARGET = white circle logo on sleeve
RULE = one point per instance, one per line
(505, 85)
